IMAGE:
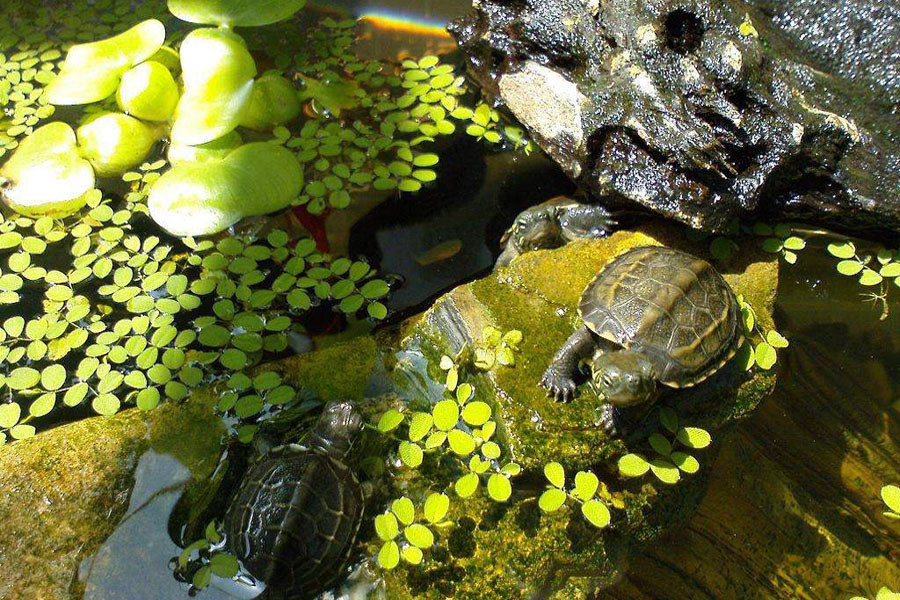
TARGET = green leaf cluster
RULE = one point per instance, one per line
(206, 557)
(882, 594)
(764, 351)
(874, 268)
(584, 493)
(671, 453)
(780, 239)
(890, 495)
(406, 533)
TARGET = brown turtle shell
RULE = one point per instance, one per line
(294, 518)
(671, 306)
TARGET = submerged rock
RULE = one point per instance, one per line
(699, 111)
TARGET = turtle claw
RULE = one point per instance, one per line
(558, 386)
(608, 420)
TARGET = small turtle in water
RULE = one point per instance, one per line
(552, 224)
(294, 518)
(653, 315)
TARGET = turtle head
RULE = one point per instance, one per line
(536, 228)
(337, 426)
(624, 378)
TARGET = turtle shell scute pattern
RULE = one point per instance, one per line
(673, 307)
(293, 520)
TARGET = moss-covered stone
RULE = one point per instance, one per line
(513, 549)
(63, 492)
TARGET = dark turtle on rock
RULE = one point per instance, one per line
(653, 315)
(294, 517)
(552, 224)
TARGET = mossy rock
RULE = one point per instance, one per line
(512, 548)
(65, 490)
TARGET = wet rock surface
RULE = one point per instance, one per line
(701, 111)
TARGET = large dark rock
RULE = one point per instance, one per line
(700, 110)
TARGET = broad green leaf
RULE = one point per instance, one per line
(461, 442)
(633, 465)
(419, 536)
(586, 484)
(555, 474)
(20, 431)
(870, 277)
(273, 103)
(194, 199)
(411, 454)
(659, 443)
(849, 267)
(386, 526)
(404, 510)
(390, 420)
(215, 150)
(53, 377)
(105, 404)
(235, 13)
(412, 555)
(551, 500)
(665, 471)
(223, 565)
(91, 72)
(596, 513)
(419, 426)
(218, 74)
(499, 488)
(776, 340)
(476, 413)
(23, 378)
(891, 496)
(842, 249)
(148, 92)
(446, 415)
(46, 175)
(765, 355)
(389, 555)
(694, 437)
(685, 462)
(115, 143)
(466, 485)
(436, 507)
(9, 414)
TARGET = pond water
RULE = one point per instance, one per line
(842, 364)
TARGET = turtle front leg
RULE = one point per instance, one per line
(559, 378)
(585, 221)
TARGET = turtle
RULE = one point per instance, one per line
(294, 517)
(653, 315)
(552, 224)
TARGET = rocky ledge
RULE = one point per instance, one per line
(702, 111)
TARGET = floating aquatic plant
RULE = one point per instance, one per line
(274, 102)
(763, 352)
(115, 143)
(149, 92)
(417, 533)
(206, 557)
(235, 13)
(875, 268)
(672, 456)
(218, 73)
(195, 199)
(882, 594)
(46, 175)
(583, 493)
(890, 495)
(93, 72)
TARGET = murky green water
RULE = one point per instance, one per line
(839, 388)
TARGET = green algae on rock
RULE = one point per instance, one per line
(66, 490)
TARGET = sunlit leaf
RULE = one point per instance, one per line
(218, 74)
(91, 72)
